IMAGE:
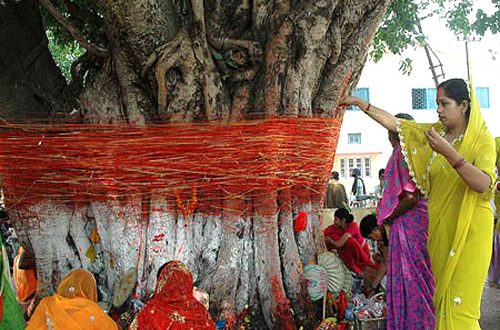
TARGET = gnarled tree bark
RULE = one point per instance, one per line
(199, 60)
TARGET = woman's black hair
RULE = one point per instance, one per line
(343, 214)
(162, 267)
(401, 116)
(404, 116)
(367, 225)
(456, 89)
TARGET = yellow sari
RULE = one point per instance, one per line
(460, 219)
(74, 306)
(497, 193)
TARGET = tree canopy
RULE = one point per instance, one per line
(398, 31)
(400, 28)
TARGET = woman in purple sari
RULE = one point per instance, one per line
(410, 283)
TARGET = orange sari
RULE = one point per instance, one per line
(74, 306)
(25, 279)
(173, 306)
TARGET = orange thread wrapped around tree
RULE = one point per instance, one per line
(197, 165)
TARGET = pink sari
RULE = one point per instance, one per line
(410, 282)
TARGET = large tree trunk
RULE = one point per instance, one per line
(171, 61)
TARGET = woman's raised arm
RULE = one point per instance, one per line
(381, 116)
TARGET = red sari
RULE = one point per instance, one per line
(355, 253)
(173, 305)
(353, 229)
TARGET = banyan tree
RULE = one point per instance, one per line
(186, 129)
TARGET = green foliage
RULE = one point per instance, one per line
(458, 18)
(64, 54)
(405, 66)
(399, 30)
(82, 14)
(484, 22)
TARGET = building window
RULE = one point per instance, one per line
(359, 164)
(351, 166)
(348, 164)
(368, 168)
(483, 96)
(354, 138)
(342, 168)
(363, 93)
(423, 98)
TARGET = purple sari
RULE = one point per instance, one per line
(494, 271)
(410, 283)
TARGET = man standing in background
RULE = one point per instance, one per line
(336, 196)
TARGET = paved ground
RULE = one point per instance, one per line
(490, 308)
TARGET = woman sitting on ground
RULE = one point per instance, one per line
(344, 235)
(74, 306)
(173, 305)
(369, 228)
(24, 275)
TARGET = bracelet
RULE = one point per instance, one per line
(367, 108)
(459, 163)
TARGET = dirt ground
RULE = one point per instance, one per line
(490, 308)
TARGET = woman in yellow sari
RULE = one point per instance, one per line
(74, 306)
(494, 272)
(452, 163)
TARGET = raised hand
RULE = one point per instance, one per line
(438, 143)
(351, 100)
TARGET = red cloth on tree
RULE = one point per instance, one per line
(173, 306)
(300, 222)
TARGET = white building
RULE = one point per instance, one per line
(364, 144)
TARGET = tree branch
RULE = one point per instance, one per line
(169, 57)
(82, 15)
(75, 33)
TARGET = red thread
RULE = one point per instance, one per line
(196, 167)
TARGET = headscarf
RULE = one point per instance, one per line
(416, 149)
(25, 279)
(73, 306)
(497, 142)
(497, 192)
(173, 305)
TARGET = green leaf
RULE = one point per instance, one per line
(399, 29)
(405, 66)
(64, 54)
(231, 64)
(217, 56)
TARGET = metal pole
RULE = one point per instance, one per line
(467, 56)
